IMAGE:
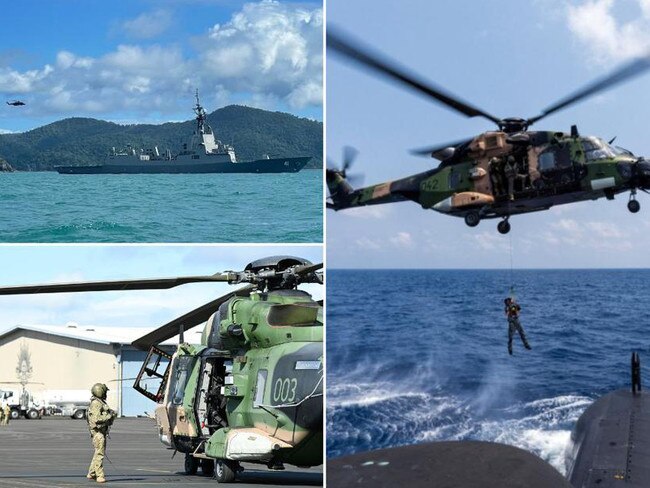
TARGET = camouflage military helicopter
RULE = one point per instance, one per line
(503, 172)
(252, 390)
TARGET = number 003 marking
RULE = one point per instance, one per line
(284, 389)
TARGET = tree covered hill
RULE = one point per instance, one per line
(83, 141)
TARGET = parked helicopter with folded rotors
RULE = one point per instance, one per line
(499, 173)
(252, 390)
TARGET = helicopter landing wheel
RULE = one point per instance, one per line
(225, 471)
(191, 464)
(472, 219)
(633, 206)
(504, 226)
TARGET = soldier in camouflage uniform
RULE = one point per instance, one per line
(100, 419)
(2, 413)
(7, 410)
(512, 312)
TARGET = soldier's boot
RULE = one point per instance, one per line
(510, 347)
(101, 480)
(91, 476)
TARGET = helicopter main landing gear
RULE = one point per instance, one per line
(504, 226)
(472, 218)
(225, 470)
(633, 205)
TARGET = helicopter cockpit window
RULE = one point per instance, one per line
(597, 149)
(260, 385)
(181, 371)
(621, 151)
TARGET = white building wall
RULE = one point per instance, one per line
(60, 363)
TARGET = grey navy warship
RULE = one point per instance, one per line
(201, 154)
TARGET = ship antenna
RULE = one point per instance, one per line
(200, 113)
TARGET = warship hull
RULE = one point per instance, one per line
(277, 165)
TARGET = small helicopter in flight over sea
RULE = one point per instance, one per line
(16, 103)
(499, 173)
(253, 389)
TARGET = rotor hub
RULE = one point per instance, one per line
(513, 124)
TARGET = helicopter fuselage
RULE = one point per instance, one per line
(252, 391)
(497, 174)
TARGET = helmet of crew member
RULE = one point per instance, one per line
(99, 390)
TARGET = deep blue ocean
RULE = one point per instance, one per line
(421, 355)
(49, 207)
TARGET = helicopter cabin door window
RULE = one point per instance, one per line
(454, 179)
(554, 158)
(556, 166)
(153, 375)
(260, 385)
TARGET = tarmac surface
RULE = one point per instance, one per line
(56, 452)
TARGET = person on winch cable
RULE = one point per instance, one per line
(100, 418)
(512, 310)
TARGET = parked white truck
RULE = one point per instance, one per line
(69, 403)
(21, 403)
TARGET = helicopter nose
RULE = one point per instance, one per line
(643, 172)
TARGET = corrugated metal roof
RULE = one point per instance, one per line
(99, 334)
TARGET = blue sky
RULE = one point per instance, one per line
(510, 58)
(150, 308)
(140, 60)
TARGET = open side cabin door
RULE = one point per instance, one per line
(152, 378)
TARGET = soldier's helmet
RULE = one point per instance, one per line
(99, 390)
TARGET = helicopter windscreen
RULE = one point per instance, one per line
(596, 148)
(621, 151)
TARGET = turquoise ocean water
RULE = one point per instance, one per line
(48, 207)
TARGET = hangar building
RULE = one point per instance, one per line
(71, 358)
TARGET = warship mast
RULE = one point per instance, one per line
(201, 116)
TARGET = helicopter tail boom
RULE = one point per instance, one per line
(344, 196)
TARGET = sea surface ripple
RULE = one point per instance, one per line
(48, 207)
(420, 355)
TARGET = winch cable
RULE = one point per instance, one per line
(512, 279)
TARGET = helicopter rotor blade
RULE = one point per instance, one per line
(342, 44)
(148, 284)
(331, 166)
(356, 180)
(349, 155)
(626, 72)
(21, 382)
(428, 151)
(188, 320)
(305, 270)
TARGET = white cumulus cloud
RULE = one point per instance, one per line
(271, 47)
(269, 54)
(608, 38)
(148, 24)
(402, 239)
